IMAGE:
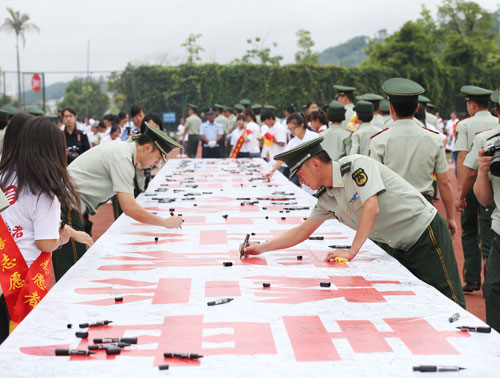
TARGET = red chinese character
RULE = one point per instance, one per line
(312, 342)
(182, 334)
(17, 232)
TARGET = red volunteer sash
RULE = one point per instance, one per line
(23, 287)
(238, 145)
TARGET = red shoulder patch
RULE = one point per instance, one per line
(380, 132)
(432, 131)
(482, 131)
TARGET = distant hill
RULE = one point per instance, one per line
(350, 53)
(52, 92)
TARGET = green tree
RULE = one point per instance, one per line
(305, 43)
(193, 48)
(468, 34)
(76, 96)
(259, 54)
(18, 24)
(407, 51)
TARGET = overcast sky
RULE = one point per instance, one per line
(125, 31)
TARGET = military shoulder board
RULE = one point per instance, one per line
(380, 132)
(345, 168)
(432, 131)
(320, 191)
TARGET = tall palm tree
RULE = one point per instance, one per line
(18, 23)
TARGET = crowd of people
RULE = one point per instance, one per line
(375, 164)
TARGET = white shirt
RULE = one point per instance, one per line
(107, 138)
(93, 138)
(279, 133)
(180, 132)
(31, 217)
(263, 130)
(253, 143)
(295, 141)
(235, 136)
(433, 128)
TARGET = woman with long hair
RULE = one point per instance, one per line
(33, 176)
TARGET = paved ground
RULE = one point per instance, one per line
(475, 302)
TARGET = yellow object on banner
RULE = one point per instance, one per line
(341, 260)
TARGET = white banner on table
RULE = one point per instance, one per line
(375, 319)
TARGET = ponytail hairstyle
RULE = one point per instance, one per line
(297, 119)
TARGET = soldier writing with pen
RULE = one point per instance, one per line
(370, 198)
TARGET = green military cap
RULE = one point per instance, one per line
(423, 99)
(432, 106)
(9, 109)
(384, 106)
(52, 117)
(472, 92)
(219, 106)
(228, 109)
(341, 89)
(297, 156)
(245, 102)
(335, 108)
(370, 97)
(239, 107)
(494, 96)
(192, 106)
(35, 110)
(401, 89)
(256, 106)
(363, 107)
(269, 107)
(161, 140)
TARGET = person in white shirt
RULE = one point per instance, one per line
(289, 109)
(180, 133)
(319, 121)
(450, 129)
(36, 188)
(93, 136)
(253, 144)
(122, 121)
(241, 131)
(301, 134)
(275, 139)
(114, 135)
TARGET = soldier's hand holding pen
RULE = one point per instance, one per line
(342, 253)
(251, 249)
(173, 222)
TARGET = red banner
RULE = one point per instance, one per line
(238, 145)
(23, 287)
